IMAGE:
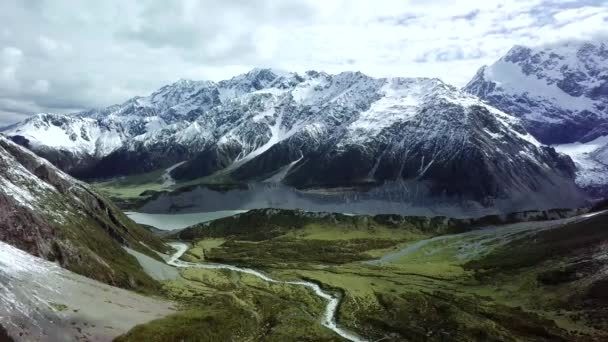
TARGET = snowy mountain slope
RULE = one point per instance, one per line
(73, 134)
(70, 142)
(40, 301)
(369, 131)
(52, 215)
(561, 94)
(320, 130)
(560, 91)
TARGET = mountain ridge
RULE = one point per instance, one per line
(560, 92)
(310, 131)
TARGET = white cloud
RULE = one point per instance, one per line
(60, 55)
(11, 53)
(10, 58)
(48, 44)
(41, 86)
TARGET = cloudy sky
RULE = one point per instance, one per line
(63, 56)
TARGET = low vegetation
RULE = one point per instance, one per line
(132, 186)
(133, 191)
(220, 305)
(520, 282)
(90, 243)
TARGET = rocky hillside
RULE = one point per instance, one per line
(52, 215)
(311, 131)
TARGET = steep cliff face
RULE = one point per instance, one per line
(52, 215)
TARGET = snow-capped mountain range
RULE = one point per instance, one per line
(560, 92)
(318, 130)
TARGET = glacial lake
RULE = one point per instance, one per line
(178, 221)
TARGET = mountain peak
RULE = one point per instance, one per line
(560, 91)
(261, 124)
(518, 53)
(262, 75)
(264, 71)
(183, 81)
(558, 84)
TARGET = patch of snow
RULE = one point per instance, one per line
(166, 178)
(282, 173)
(154, 124)
(399, 103)
(75, 134)
(508, 121)
(528, 155)
(16, 262)
(29, 286)
(495, 136)
(269, 112)
(591, 170)
(108, 142)
(578, 148)
(306, 91)
(271, 91)
(193, 132)
(18, 193)
(278, 133)
(588, 215)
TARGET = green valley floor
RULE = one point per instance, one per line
(397, 280)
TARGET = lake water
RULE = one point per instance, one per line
(179, 221)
